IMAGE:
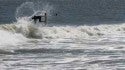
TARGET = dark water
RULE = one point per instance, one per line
(71, 11)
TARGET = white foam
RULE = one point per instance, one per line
(25, 28)
(82, 31)
(8, 38)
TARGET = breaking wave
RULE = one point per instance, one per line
(22, 30)
(30, 30)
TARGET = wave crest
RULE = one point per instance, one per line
(30, 30)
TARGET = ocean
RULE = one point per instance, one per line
(79, 35)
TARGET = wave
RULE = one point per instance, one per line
(30, 30)
(22, 30)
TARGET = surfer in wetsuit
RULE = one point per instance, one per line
(35, 18)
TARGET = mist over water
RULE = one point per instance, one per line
(60, 45)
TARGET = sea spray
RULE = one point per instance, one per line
(29, 9)
(25, 10)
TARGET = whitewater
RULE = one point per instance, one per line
(24, 45)
(28, 46)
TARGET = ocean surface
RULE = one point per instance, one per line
(80, 35)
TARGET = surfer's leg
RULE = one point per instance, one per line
(40, 19)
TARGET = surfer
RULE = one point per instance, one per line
(36, 18)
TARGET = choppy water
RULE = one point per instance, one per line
(28, 46)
